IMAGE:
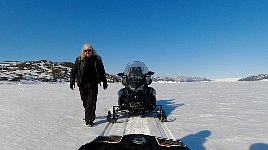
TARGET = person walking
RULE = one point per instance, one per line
(88, 71)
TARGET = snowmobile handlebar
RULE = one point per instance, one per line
(121, 74)
(149, 73)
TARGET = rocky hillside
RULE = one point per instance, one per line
(43, 71)
(39, 71)
(255, 78)
(47, 71)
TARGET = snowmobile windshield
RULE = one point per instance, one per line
(136, 67)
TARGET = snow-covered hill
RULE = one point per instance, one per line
(179, 79)
(47, 71)
(255, 78)
(37, 71)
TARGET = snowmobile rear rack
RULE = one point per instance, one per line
(161, 115)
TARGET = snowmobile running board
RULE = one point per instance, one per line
(133, 141)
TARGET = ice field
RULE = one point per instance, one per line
(204, 115)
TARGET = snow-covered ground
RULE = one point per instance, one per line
(205, 116)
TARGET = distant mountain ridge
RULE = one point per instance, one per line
(179, 79)
(38, 71)
(48, 71)
(255, 78)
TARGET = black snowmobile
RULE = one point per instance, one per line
(137, 98)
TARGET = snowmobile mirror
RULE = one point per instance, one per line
(120, 74)
(149, 73)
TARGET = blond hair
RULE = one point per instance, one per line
(85, 47)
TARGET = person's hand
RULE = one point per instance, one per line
(72, 85)
(105, 85)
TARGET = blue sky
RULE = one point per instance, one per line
(204, 38)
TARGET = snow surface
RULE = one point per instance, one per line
(205, 116)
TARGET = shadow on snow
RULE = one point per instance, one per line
(169, 106)
(101, 119)
(196, 141)
(258, 146)
(193, 141)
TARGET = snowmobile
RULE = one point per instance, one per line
(137, 98)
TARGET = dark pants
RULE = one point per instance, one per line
(88, 93)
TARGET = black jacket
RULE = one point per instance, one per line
(79, 68)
